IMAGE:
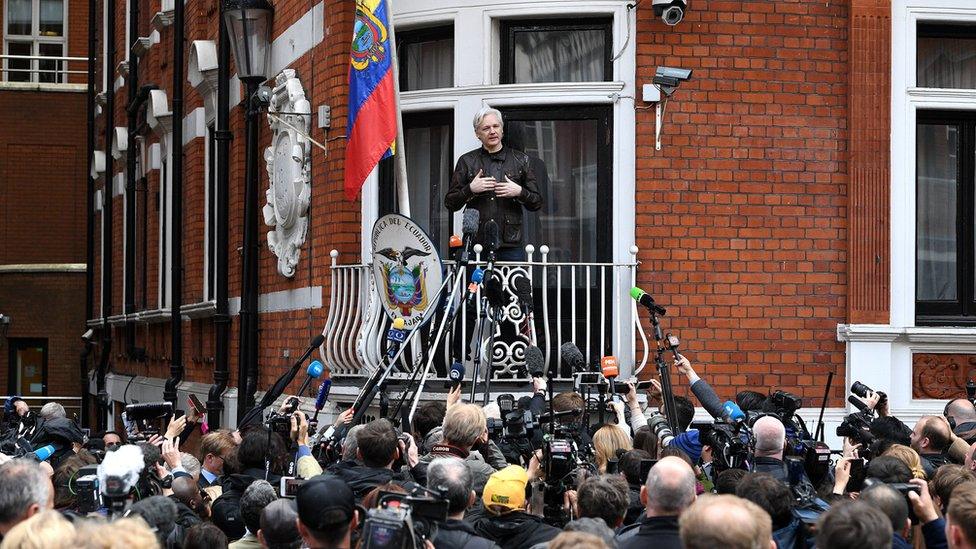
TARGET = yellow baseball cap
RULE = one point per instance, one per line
(506, 488)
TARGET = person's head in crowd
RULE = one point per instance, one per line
(675, 451)
(727, 482)
(350, 444)
(750, 400)
(45, 530)
(970, 462)
(191, 464)
(645, 440)
(909, 456)
(205, 535)
(378, 444)
(605, 497)
(257, 446)
(606, 441)
(684, 409)
(151, 455)
(65, 496)
(464, 426)
(890, 430)
(279, 526)
(429, 415)
(577, 540)
(25, 490)
(892, 504)
(160, 513)
(853, 525)
(214, 448)
(565, 401)
(255, 498)
(670, 488)
(52, 410)
(372, 499)
(112, 440)
(594, 527)
(945, 480)
(960, 411)
(770, 495)
(960, 518)
(629, 465)
(326, 512)
(888, 469)
(451, 478)
(770, 437)
(931, 435)
(188, 492)
(505, 490)
(725, 521)
(125, 533)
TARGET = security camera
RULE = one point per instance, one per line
(87, 336)
(670, 11)
(261, 97)
(667, 79)
(4, 319)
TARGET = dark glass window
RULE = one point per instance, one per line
(944, 250)
(946, 56)
(551, 50)
(429, 148)
(27, 375)
(426, 58)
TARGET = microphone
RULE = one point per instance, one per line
(469, 227)
(645, 299)
(731, 412)
(323, 394)
(570, 354)
(491, 236)
(523, 291)
(44, 452)
(476, 277)
(535, 363)
(455, 243)
(493, 291)
(395, 336)
(610, 368)
(313, 371)
(456, 375)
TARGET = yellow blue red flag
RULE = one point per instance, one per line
(372, 126)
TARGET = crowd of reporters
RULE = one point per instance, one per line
(520, 474)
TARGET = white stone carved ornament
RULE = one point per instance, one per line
(288, 163)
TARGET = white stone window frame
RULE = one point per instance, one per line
(160, 120)
(880, 355)
(202, 75)
(36, 40)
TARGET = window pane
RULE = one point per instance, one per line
(559, 55)
(564, 158)
(52, 18)
(946, 62)
(19, 17)
(50, 70)
(18, 70)
(938, 147)
(428, 64)
(429, 172)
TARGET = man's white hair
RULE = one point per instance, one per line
(770, 436)
(485, 111)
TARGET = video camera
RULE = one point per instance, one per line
(731, 445)
(401, 521)
(142, 420)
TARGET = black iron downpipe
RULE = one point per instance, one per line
(176, 271)
(215, 405)
(107, 223)
(129, 283)
(248, 368)
(89, 211)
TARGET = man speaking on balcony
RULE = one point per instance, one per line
(497, 181)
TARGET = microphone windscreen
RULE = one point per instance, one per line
(491, 235)
(457, 372)
(523, 289)
(323, 393)
(535, 362)
(315, 369)
(609, 366)
(493, 291)
(45, 452)
(469, 223)
(732, 412)
(570, 354)
(636, 293)
(478, 275)
(456, 241)
(318, 341)
(398, 323)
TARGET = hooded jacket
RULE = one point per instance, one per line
(226, 510)
(457, 534)
(362, 479)
(659, 532)
(515, 530)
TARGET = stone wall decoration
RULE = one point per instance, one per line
(288, 163)
(938, 375)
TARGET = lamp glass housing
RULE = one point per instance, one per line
(249, 29)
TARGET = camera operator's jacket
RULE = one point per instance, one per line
(481, 467)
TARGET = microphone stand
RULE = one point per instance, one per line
(490, 267)
(667, 393)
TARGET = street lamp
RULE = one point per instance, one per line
(248, 24)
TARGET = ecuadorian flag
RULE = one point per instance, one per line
(372, 126)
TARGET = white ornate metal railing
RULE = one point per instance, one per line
(42, 68)
(584, 303)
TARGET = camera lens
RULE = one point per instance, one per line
(860, 389)
(673, 15)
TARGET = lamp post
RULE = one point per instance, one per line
(248, 24)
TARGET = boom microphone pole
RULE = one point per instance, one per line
(667, 393)
(282, 382)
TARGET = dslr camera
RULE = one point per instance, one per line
(401, 521)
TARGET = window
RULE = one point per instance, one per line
(429, 138)
(426, 58)
(34, 41)
(164, 201)
(946, 165)
(28, 367)
(946, 56)
(556, 51)
(210, 246)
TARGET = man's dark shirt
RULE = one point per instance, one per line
(966, 431)
(507, 212)
(457, 534)
(657, 532)
(773, 466)
(931, 462)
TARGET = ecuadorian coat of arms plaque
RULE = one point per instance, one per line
(407, 269)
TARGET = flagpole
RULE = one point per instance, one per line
(400, 157)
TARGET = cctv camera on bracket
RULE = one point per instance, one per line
(663, 85)
(670, 11)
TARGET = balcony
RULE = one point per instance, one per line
(584, 303)
(43, 73)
